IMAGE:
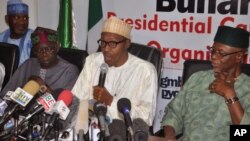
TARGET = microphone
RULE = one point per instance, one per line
(5, 102)
(117, 130)
(102, 77)
(100, 110)
(43, 86)
(24, 96)
(61, 106)
(20, 98)
(124, 107)
(7, 97)
(80, 136)
(59, 110)
(141, 129)
(43, 103)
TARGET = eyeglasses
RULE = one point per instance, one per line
(40, 50)
(221, 54)
(111, 44)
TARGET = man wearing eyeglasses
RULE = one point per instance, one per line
(126, 75)
(52, 69)
(211, 101)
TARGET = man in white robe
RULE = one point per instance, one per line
(127, 76)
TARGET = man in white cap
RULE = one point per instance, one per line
(18, 33)
(127, 76)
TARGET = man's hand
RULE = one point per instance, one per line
(43, 86)
(169, 133)
(101, 94)
(223, 85)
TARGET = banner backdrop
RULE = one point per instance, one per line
(182, 29)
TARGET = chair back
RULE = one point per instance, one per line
(191, 66)
(151, 54)
(10, 59)
(74, 56)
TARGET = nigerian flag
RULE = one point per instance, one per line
(95, 19)
(64, 28)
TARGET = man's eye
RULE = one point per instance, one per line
(222, 54)
(16, 17)
(112, 43)
(103, 43)
(25, 18)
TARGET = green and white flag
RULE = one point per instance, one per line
(64, 28)
(95, 20)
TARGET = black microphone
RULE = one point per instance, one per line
(117, 130)
(124, 107)
(100, 110)
(43, 103)
(102, 77)
(141, 130)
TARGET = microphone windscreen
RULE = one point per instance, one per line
(141, 129)
(43, 86)
(66, 96)
(122, 103)
(82, 117)
(71, 118)
(100, 108)
(104, 68)
(32, 87)
(117, 130)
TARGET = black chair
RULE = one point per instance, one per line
(74, 56)
(151, 54)
(191, 66)
(10, 59)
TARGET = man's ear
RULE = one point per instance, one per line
(128, 43)
(57, 47)
(7, 19)
(240, 56)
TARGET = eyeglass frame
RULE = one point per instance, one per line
(40, 50)
(221, 55)
(109, 42)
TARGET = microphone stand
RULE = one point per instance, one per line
(43, 123)
(30, 131)
(53, 118)
(16, 117)
(102, 136)
(56, 131)
(128, 135)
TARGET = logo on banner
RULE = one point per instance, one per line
(239, 132)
